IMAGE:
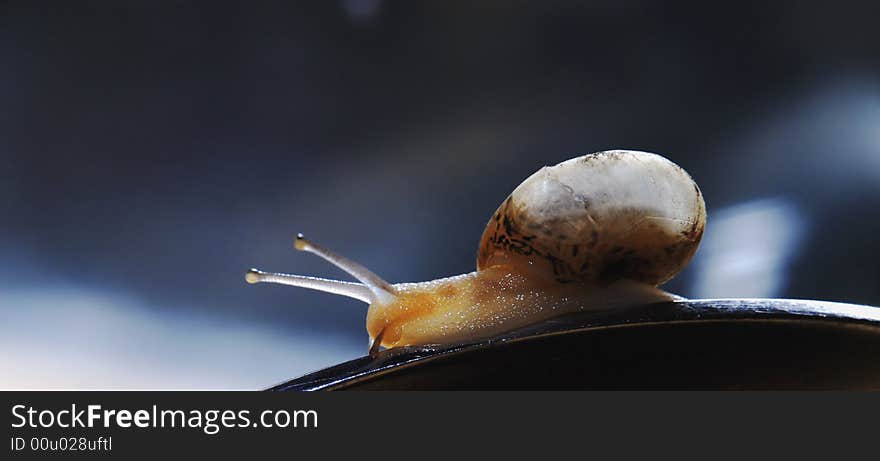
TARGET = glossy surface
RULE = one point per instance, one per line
(695, 344)
(491, 302)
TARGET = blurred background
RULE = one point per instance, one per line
(152, 152)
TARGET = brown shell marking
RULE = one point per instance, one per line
(626, 244)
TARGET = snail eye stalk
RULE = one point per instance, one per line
(372, 288)
(352, 290)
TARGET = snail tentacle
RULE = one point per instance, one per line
(351, 289)
(382, 291)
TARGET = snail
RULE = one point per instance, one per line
(600, 231)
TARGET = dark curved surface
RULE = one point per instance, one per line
(688, 344)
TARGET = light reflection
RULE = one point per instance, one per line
(746, 250)
(73, 338)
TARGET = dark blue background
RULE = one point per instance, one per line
(152, 152)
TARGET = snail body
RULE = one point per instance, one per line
(599, 231)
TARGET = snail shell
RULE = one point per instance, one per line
(598, 218)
